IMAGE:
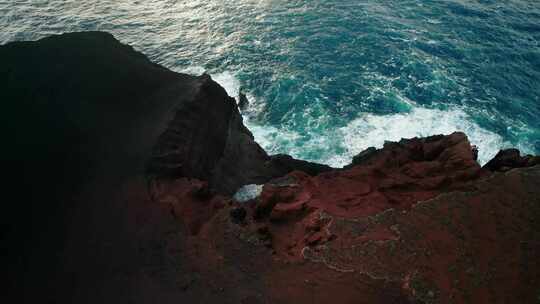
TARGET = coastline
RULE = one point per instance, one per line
(124, 173)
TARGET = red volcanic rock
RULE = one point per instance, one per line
(188, 201)
(396, 176)
(418, 221)
(415, 222)
(394, 229)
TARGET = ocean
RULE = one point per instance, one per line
(327, 79)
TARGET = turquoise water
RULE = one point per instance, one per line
(329, 78)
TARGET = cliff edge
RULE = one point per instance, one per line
(121, 181)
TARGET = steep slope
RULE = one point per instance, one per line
(121, 175)
(84, 115)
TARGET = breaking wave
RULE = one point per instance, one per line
(337, 146)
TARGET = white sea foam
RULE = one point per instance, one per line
(195, 70)
(372, 130)
(229, 82)
(336, 147)
(226, 79)
(247, 193)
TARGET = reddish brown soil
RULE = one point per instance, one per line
(416, 222)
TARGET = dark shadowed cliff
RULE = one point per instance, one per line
(120, 176)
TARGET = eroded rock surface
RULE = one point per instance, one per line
(511, 158)
(123, 174)
(83, 116)
(399, 228)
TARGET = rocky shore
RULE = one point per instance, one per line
(121, 183)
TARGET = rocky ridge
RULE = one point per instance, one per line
(131, 168)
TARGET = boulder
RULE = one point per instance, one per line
(243, 101)
(509, 159)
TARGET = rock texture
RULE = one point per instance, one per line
(83, 116)
(417, 222)
(207, 140)
(509, 159)
(122, 175)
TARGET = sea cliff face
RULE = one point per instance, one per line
(123, 174)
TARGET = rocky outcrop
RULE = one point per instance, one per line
(510, 159)
(418, 221)
(395, 177)
(123, 174)
(84, 115)
(207, 140)
(243, 101)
